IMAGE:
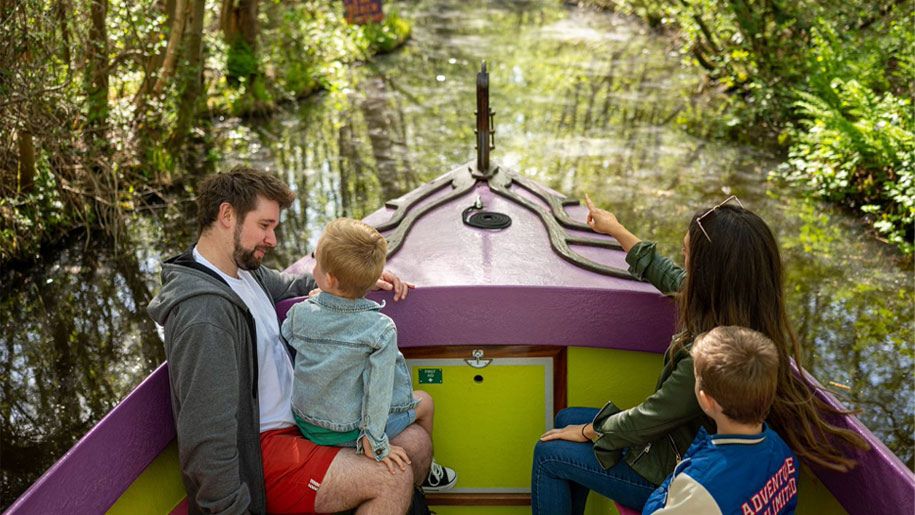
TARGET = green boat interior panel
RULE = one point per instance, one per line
(486, 419)
(157, 490)
(489, 412)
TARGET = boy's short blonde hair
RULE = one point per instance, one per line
(354, 253)
(738, 367)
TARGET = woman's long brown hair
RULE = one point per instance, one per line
(736, 279)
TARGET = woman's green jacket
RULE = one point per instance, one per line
(658, 430)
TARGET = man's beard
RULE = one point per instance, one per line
(245, 259)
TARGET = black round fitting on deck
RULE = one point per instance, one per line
(485, 219)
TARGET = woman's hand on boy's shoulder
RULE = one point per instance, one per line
(389, 281)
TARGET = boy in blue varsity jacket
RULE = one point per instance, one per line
(745, 468)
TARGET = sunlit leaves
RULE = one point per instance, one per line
(831, 81)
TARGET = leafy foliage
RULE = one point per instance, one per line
(311, 41)
(854, 141)
(387, 35)
(95, 116)
(831, 81)
(240, 62)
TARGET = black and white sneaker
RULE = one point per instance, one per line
(440, 479)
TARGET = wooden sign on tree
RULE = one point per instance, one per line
(363, 11)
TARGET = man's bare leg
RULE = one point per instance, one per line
(354, 481)
(418, 444)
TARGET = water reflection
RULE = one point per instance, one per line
(584, 103)
(75, 340)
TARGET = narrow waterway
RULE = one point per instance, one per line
(586, 102)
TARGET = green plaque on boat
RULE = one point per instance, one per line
(430, 376)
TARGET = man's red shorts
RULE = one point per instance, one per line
(293, 470)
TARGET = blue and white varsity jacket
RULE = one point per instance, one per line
(742, 474)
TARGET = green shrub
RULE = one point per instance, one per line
(241, 63)
(858, 149)
(299, 78)
(854, 139)
(830, 82)
(387, 35)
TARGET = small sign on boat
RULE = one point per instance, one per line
(359, 12)
(430, 376)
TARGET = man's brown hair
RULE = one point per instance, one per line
(738, 367)
(354, 253)
(240, 187)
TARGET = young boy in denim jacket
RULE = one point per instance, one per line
(745, 468)
(351, 383)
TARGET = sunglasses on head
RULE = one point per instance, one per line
(710, 211)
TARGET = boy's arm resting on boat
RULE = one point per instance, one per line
(378, 385)
(672, 405)
(204, 380)
(389, 281)
(645, 263)
(282, 285)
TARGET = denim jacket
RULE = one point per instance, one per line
(349, 373)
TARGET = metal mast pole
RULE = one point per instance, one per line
(485, 132)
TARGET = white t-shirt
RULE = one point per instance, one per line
(274, 367)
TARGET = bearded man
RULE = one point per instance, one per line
(230, 373)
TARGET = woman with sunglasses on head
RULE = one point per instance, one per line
(732, 276)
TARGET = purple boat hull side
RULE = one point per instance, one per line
(880, 483)
(97, 470)
(525, 315)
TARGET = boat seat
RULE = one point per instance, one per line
(625, 510)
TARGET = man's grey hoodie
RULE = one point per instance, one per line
(210, 344)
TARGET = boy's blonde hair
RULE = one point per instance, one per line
(354, 253)
(738, 367)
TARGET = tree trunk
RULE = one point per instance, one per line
(174, 42)
(97, 72)
(238, 20)
(63, 22)
(190, 81)
(154, 62)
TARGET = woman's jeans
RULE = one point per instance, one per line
(564, 472)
